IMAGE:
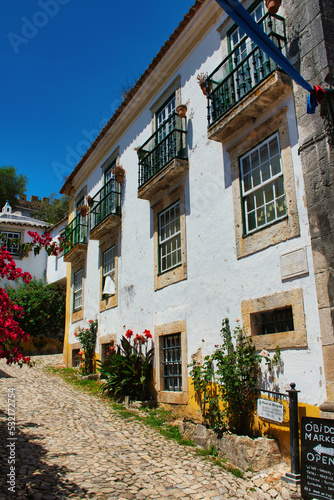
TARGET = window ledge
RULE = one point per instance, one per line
(251, 107)
(169, 175)
(170, 397)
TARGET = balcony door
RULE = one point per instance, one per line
(251, 62)
(110, 192)
(165, 124)
(80, 229)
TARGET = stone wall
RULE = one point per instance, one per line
(246, 453)
(310, 31)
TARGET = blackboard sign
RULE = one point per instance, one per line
(317, 458)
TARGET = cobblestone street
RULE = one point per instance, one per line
(73, 445)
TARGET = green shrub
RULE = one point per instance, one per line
(224, 382)
(44, 309)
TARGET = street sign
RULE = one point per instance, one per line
(317, 458)
(270, 410)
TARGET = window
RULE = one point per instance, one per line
(10, 241)
(76, 358)
(278, 320)
(108, 265)
(77, 290)
(171, 361)
(164, 123)
(108, 272)
(169, 238)
(172, 364)
(105, 348)
(249, 72)
(262, 185)
(170, 248)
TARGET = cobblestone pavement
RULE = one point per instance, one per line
(73, 445)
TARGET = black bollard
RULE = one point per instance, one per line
(294, 475)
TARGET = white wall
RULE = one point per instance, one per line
(56, 267)
(217, 282)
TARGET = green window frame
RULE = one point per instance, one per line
(7, 240)
(262, 185)
(169, 223)
(77, 290)
(163, 126)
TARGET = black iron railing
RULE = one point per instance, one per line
(166, 144)
(242, 70)
(106, 202)
(75, 232)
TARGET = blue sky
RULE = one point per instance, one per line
(63, 63)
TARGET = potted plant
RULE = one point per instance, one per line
(84, 209)
(202, 78)
(273, 6)
(182, 110)
(119, 173)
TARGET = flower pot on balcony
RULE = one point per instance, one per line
(84, 209)
(273, 6)
(181, 110)
(204, 89)
(119, 174)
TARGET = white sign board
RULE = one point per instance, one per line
(293, 263)
(270, 410)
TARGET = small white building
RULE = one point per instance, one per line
(14, 227)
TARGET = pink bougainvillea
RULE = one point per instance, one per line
(10, 333)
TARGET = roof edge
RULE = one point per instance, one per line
(155, 61)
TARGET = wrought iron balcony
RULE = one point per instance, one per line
(165, 145)
(75, 236)
(106, 209)
(244, 69)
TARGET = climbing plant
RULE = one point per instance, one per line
(224, 381)
(87, 338)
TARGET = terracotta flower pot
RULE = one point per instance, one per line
(84, 209)
(181, 110)
(273, 6)
(204, 89)
(119, 178)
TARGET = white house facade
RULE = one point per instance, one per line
(210, 219)
(15, 226)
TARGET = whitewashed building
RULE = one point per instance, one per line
(15, 227)
(210, 220)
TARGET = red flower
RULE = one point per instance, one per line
(129, 334)
(76, 334)
(90, 321)
(112, 348)
(140, 338)
(147, 334)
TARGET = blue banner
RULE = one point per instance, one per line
(242, 18)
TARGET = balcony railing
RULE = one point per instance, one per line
(242, 70)
(75, 232)
(106, 202)
(165, 145)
